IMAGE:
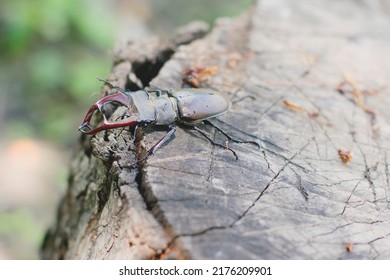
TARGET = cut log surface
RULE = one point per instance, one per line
(309, 81)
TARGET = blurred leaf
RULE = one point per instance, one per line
(53, 50)
(19, 129)
(47, 70)
(21, 223)
(54, 19)
(56, 125)
(93, 22)
(83, 73)
(17, 30)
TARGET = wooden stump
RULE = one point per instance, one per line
(308, 79)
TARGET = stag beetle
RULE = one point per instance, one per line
(187, 106)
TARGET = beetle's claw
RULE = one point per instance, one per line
(85, 128)
(120, 98)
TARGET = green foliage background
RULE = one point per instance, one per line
(51, 50)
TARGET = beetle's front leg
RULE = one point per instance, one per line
(162, 141)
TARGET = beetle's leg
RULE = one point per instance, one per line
(214, 143)
(135, 133)
(156, 90)
(229, 137)
(152, 150)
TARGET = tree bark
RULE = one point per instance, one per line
(308, 82)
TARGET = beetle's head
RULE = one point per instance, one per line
(118, 98)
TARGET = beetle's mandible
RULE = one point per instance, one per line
(188, 106)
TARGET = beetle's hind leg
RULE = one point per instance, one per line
(152, 150)
(231, 138)
(214, 143)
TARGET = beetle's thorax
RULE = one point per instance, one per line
(150, 108)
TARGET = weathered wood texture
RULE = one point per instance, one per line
(315, 75)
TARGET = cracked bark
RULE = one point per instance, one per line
(293, 198)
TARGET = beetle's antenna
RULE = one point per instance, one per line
(111, 86)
